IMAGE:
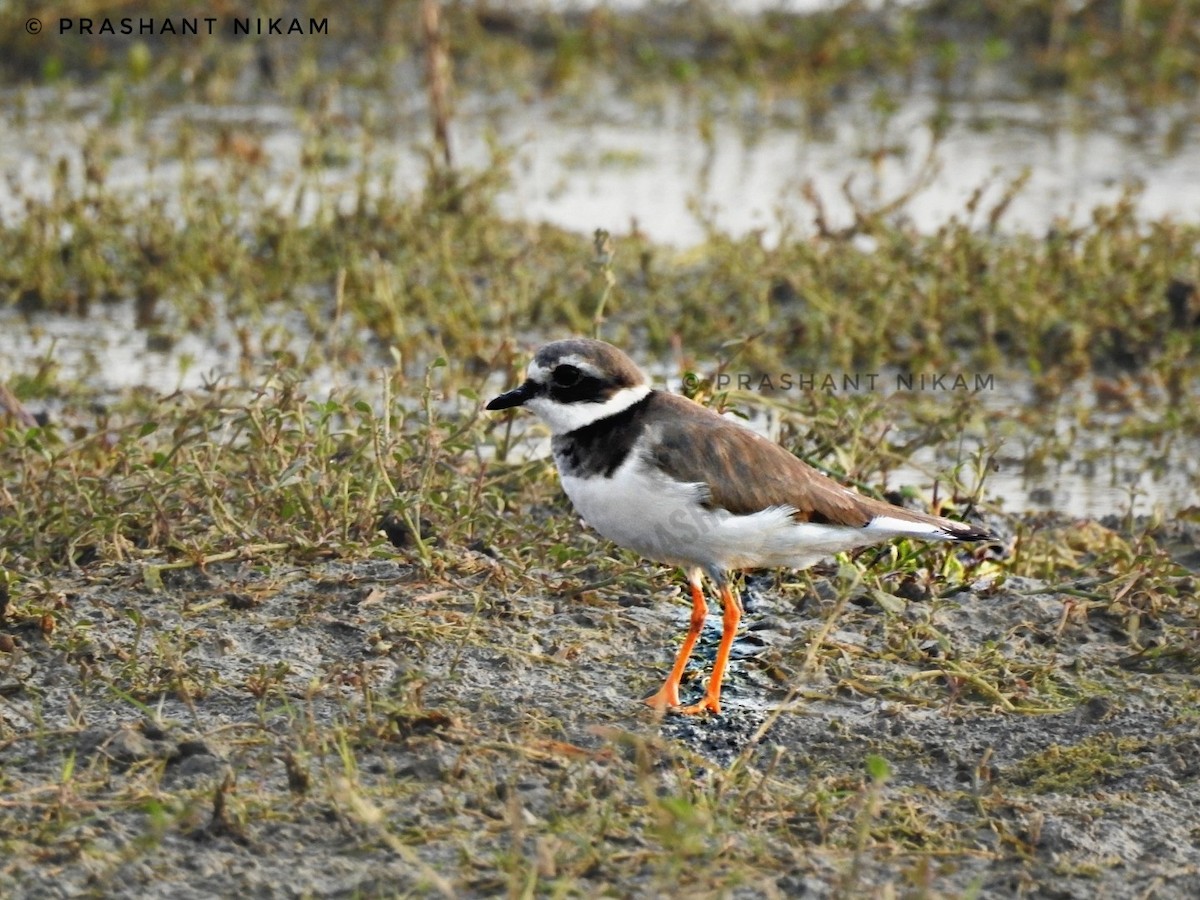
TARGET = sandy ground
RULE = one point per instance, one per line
(358, 729)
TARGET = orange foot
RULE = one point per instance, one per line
(667, 697)
(708, 704)
(668, 701)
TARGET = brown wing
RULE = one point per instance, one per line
(745, 473)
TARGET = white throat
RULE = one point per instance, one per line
(563, 418)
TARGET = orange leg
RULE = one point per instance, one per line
(732, 616)
(668, 695)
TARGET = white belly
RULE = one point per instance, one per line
(664, 520)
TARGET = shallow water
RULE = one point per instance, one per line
(617, 170)
(612, 163)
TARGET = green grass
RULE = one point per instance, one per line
(1083, 767)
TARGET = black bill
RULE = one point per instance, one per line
(515, 397)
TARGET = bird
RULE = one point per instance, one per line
(680, 484)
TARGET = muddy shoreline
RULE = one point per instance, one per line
(354, 729)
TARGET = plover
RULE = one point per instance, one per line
(678, 483)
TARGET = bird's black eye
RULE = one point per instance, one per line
(566, 376)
